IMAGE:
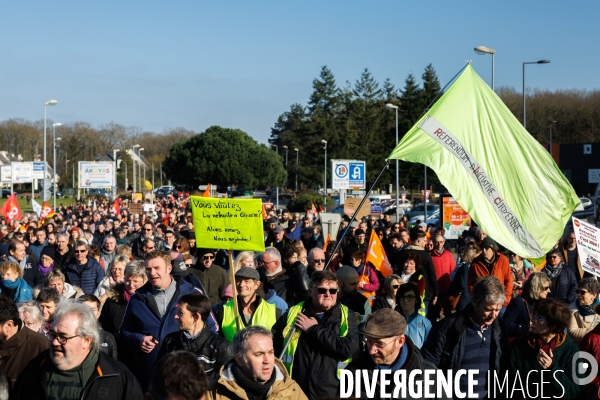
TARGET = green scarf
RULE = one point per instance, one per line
(68, 385)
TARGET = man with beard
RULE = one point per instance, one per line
(74, 367)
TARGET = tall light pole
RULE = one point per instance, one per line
(140, 167)
(133, 167)
(529, 62)
(48, 103)
(395, 107)
(482, 50)
(551, 125)
(296, 169)
(116, 187)
(54, 139)
(325, 175)
(277, 188)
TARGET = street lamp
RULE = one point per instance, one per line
(482, 50)
(296, 150)
(140, 167)
(54, 139)
(550, 147)
(529, 62)
(277, 188)
(116, 187)
(133, 162)
(325, 176)
(395, 107)
(48, 103)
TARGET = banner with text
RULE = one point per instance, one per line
(229, 224)
(96, 174)
(455, 219)
(6, 173)
(22, 172)
(587, 246)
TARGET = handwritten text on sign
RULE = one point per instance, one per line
(229, 224)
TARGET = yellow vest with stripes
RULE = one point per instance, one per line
(265, 316)
(288, 357)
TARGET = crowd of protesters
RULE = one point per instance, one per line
(102, 303)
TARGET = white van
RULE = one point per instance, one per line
(378, 198)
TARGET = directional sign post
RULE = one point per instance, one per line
(357, 174)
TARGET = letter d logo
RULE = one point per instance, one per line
(583, 363)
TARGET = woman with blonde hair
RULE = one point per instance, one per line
(55, 279)
(12, 284)
(244, 259)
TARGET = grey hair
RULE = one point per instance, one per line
(273, 253)
(63, 235)
(240, 340)
(118, 259)
(311, 253)
(488, 288)
(135, 268)
(32, 311)
(534, 285)
(109, 236)
(81, 243)
(591, 284)
(88, 326)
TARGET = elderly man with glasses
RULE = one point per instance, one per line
(316, 260)
(146, 233)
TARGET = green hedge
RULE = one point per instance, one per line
(304, 201)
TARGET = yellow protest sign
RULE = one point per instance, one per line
(228, 224)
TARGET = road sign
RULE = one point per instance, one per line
(347, 174)
(357, 174)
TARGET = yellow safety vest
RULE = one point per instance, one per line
(265, 316)
(288, 356)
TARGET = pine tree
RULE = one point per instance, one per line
(431, 85)
(367, 88)
(326, 95)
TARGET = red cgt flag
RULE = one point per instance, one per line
(11, 209)
(47, 211)
(117, 206)
(376, 255)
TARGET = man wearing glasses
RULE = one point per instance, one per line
(316, 260)
(147, 233)
(212, 276)
(389, 348)
(83, 270)
(322, 338)
(74, 367)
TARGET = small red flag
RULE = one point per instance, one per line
(117, 206)
(11, 209)
(47, 211)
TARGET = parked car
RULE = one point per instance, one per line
(390, 207)
(432, 218)
(338, 210)
(420, 210)
(59, 194)
(585, 204)
(161, 193)
(6, 193)
(165, 187)
(99, 193)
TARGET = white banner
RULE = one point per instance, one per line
(22, 172)
(96, 174)
(587, 246)
(6, 173)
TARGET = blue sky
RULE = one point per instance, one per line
(240, 64)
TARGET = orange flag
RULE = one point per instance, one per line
(47, 211)
(207, 191)
(264, 211)
(376, 255)
(327, 241)
(11, 209)
(321, 209)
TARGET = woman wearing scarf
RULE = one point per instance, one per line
(114, 275)
(562, 279)
(520, 269)
(12, 284)
(46, 262)
(547, 348)
(585, 318)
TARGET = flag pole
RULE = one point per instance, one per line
(338, 242)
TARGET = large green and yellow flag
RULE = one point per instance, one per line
(492, 166)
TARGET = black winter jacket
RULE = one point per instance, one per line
(319, 350)
(431, 289)
(110, 380)
(211, 350)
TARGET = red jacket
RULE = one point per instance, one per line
(500, 269)
(444, 265)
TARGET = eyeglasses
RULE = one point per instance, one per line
(178, 247)
(262, 262)
(61, 339)
(545, 288)
(325, 290)
(537, 318)
(581, 292)
(380, 346)
(319, 260)
(147, 230)
(208, 257)
(395, 286)
(407, 298)
(189, 264)
(79, 251)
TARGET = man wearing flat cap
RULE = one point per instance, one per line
(253, 310)
(388, 348)
(279, 240)
(491, 263)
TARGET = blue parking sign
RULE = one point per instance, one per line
(356, 170)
